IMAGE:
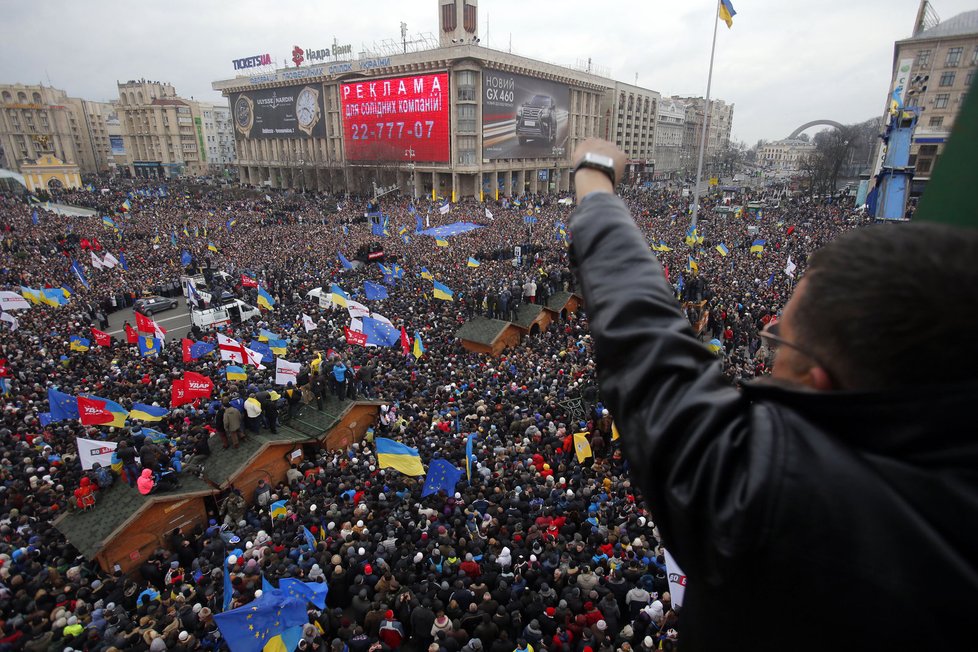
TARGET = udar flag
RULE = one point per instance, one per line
(677, 580)
(197, 385)
(395, 455)
(95, 411)
(285, 371)
(581, 446)
(93, 451)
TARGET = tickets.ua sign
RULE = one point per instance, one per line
(252, 62)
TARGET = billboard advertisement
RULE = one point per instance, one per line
(398, 119)
(117, 146)
(523, 117)
(290, 112)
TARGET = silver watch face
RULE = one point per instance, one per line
(598, 159)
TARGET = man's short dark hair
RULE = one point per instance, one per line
(893, 305)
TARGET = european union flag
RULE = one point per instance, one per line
(310, 541)
(34, 217)
(442, 475)
(80, 274)
(380, 333)
(262, 348)
(314, 592)
(469, 456)
(249, 628)
(122, 261)
(344, 261)
(186, 258)
(200, 349)
(374, 291)
(62, 406)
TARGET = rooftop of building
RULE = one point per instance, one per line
(964, 24)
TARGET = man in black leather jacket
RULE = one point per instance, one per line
(835, 505)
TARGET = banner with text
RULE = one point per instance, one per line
(399, 119)
(290, 112)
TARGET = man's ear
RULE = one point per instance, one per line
(819, 380)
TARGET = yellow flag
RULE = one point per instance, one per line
(614, 432)
(582, 447)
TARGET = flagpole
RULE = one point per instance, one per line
(706, 119)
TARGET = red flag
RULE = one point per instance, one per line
(132, 337)
(4, 371)
(101, 338)
(85, 244)
(179, 394)
(186, 349)
(92, 412)
(146, 325)
(248, 282)
(196, 385)
(353, 337)
(95, 245)
(791, 230)
(405, 341)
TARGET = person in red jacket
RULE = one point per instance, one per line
(85, 494)
(145, 482)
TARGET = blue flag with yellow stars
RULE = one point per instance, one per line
(314, 592)
(442, 474)
(250, 627)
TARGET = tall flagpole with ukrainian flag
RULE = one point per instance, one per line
(726, 12)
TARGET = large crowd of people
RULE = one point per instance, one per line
(536, 550)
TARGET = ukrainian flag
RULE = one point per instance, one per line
(425, 274)
(107, 221)
(722, 248)
(442, 292)
(278, 509)
(278, 347)
(30, 294)
(265, 300)
(692, 265)
(339, 296)
(472, 262)
(52, 297)
(145, 412)
(126, 206)
(663, 246)
(418, 346)
(441, 242)
(286, 641)
(264, 335)
(398, 457)
(758, 246)
(715, 345)
(211, 247)
(235, 373)
(727, 12)
(79, 343)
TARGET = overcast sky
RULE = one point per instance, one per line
(782, 64)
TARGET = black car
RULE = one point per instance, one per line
(536, 119)
(149, 305)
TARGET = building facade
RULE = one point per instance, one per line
(670, 125)
(784, 155)
(218, 137)
(933, 70)
(36, 120)
(163, 134)
(718, 125)
(455, 119)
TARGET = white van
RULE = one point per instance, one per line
(235, 312)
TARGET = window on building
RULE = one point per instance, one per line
(941, 100)
(953, 57)
(923, 166)
(22, 97)
(935, 121)
(970, 78)
(927, 150)
(947, 79)
(466, 118)
(923, 58)
(37, 98)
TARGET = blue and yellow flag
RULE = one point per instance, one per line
(314, 592)
(265, 300)
(145, 412)
(418, 346)
(469, 456)
(472, 262)
(278, 347)
(722, 248)
(582, 447)
(212, 247)
(442, 292)
(148, 345)
(441, 242)
(108, 221)
(233, 372)
(727, 12)
(758, 246)
(338, 295)
(344, 261)
(79, 343)
(425, 274)
(278, 509)
(399, 457)
(264, 335)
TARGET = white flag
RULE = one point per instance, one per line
(356, 325)
(13, 301)
(326, 300)
(444, 209)
(254, 358)
(677, 580)
(789, 269)
(231, 349)
(380, 317)
(566, 201)
(427, 221)
(97, 262)
(286, 372)
(489, 214)
(110, 261)
(14, 324)
(308, 323)
(91, 451)
(357, 309)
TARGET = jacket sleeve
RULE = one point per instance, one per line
(705, 460)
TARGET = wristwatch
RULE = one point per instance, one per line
(593, 161)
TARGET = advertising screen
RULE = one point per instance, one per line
(290, 112)
(117, 146)
(523, 117)
(399, 119)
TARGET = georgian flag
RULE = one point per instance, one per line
(308, 323)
